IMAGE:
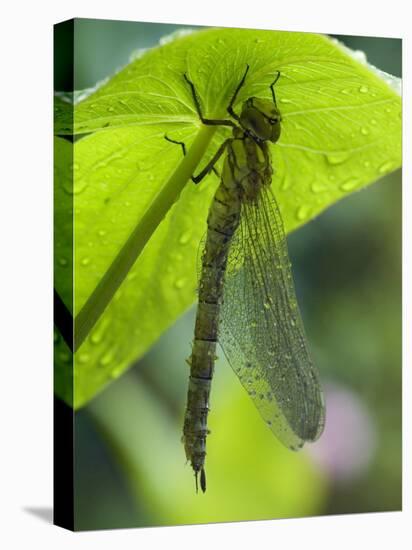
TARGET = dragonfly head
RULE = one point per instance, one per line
(261, 118)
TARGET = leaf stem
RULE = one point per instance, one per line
(121, 265)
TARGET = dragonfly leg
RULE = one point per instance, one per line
(272, 88)
(207, 121)
(230, 106)
(181, 143)
(210, 165)
(195, 178)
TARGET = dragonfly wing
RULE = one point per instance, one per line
(261, 331)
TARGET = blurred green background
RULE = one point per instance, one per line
(129, 463)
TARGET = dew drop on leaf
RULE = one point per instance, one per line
(349, 184)
(96, 337)
(302, 212)
(107, 358)
(364, 89)
(64, 356)
(286, 182)
(115, 372)
(84, 358)
(318, 187)
(184, 237)
(63, 262)
(385, 167)
(85, 261)
(337, 158)
(180, 283)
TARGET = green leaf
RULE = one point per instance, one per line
(341, 130)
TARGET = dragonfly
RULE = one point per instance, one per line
(246, 295)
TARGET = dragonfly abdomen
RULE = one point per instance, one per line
(222, 222)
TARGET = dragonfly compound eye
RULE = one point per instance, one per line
(261, 118)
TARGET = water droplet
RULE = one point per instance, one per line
(349, 184)
(75, 185)
(79, 185)
(302, 212)
(107, 358)
(64, 356)
(84, 358)
(385, 167)
(364, 131)
(366, 164)
(266, 305)
(115, 373)
(285, 100)
(85, 261)
(96, 336)
(184, 237)
(180, 283)
(63, 262)
(364, 89)
(318, 187)
(102, 232)
(373, 121)
(388, 110)
(337, 158)
(286, 182)
(110, 109)
(131, 275)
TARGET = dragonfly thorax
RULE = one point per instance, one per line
(261, 119)
(248, 167)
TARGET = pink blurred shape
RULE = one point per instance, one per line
(348, 443)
